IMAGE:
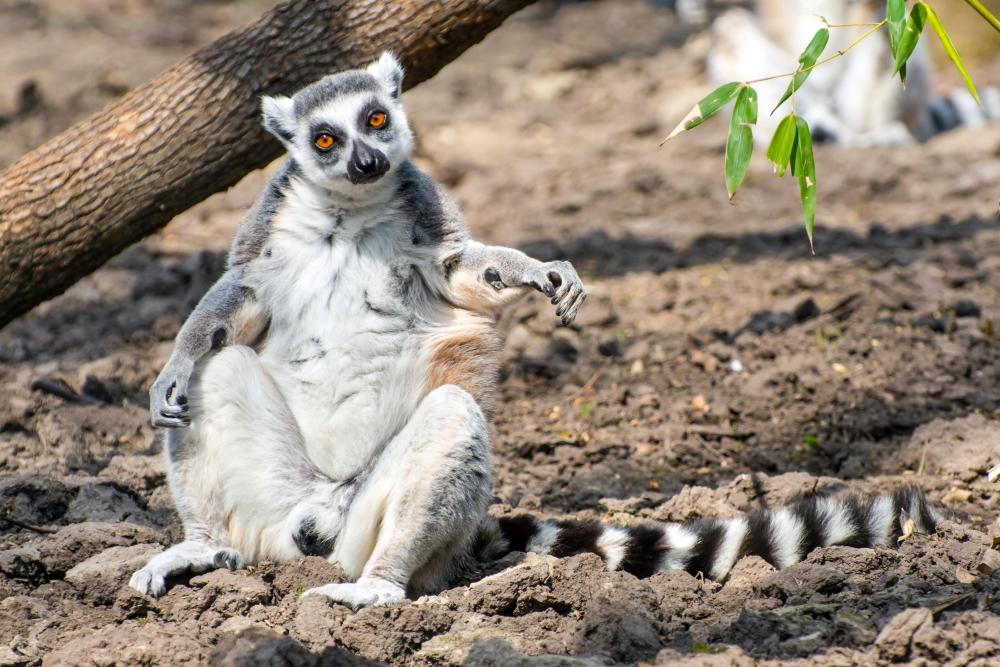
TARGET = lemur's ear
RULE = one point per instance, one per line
(279, 117)
(388, 70)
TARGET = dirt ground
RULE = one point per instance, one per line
(716, 368)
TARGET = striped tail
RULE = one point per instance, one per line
(781, 537)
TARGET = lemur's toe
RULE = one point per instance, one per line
(172, 422)
(228, 558)
(569, 308)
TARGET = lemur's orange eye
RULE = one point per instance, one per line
(376, 119)
(324, 141)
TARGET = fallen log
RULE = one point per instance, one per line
(193, 130)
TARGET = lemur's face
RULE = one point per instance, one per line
(347, 130)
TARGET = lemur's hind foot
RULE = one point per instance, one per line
(364, 592)
(782, 537)
(187, 557)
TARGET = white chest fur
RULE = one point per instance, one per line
(350, 318)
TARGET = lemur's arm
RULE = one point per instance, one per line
(227, 314)
(487, 278)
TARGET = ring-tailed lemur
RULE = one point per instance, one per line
(329, 394)
(851, 100)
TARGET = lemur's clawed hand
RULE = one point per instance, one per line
(168, 399)
(560, 282)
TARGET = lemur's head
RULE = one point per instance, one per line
(347, 130)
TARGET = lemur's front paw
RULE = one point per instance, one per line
(560, 282)
(149, 582)
(168, 400)
(362, 593)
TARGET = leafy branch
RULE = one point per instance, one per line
(791, 147)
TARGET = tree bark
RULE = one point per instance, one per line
(194, 129)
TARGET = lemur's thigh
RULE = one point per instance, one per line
(240, 469)
(415, 515)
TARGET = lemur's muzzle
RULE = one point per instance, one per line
(367, 164)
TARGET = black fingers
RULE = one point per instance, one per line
(167, 414)
(171, 419)
(546, 288)
(569, 294)
(569, 304)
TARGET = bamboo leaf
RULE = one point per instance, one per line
(806, 62)
(950, 49)
(805, 169)
(793, 158)
(707, 107)
(908, 40)
(896, 17)
(896, 22)
(780, 150)
(985, 13)
(739, 143)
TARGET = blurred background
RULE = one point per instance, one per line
(713, 345)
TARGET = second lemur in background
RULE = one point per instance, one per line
(852, 100)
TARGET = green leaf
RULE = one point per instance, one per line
(908, 40)
(739, 143)
(805, 169)
(706, 108)
(896, 17)
(950, 49)
(896, 20)
(985, 13)
(806, 62)
(780, 150)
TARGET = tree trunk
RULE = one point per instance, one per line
(194, 129)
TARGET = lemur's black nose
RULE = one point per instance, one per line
(367, 164)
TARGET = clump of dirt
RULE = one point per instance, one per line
(920, 602)
(717, 368)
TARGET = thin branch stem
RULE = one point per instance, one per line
(825, 60)
(985, 13)
(27, 526)
(850, 25)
